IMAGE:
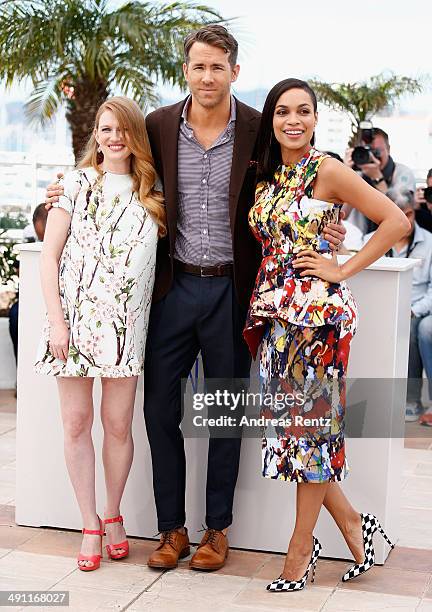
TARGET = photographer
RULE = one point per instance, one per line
(423, 200)
(417, 244)
(373, 161)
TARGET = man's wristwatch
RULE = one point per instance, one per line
(377, 181)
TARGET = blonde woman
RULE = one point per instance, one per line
(97, 272)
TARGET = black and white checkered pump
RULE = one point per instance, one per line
(370, 524)
(280, 584)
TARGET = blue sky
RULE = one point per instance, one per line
(333, 40)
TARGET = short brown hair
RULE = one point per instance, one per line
(379, 132)
(216, 36)
(40, 213)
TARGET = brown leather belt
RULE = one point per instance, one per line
(221, 270)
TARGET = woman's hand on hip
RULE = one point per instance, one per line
(59, 340)
(312, 263)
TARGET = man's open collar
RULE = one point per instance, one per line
(233, 114)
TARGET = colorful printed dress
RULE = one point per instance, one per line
(305, 324)
(106, 277)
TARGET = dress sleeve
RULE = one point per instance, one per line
(71, 184)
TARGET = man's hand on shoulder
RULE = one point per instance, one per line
(330, 171)
(53, 192)
(334, 233)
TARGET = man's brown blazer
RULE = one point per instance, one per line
(163, 128)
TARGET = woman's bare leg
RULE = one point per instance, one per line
(118, 399)
(309, 501)
(347, 519)
(76, 403)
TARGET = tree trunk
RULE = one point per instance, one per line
(88, 95)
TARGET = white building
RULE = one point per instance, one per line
(29, 155)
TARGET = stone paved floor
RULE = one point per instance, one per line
(45, 559)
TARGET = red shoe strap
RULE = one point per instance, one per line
(98, 532)
(116, 519)
(123, 544)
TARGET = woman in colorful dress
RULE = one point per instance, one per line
(97, 272)
(304, 314)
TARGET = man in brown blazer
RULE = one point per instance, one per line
(206, 266)
(203, 149)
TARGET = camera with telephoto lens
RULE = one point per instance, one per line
(362, 154)
(427, 193)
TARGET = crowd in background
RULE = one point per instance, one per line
(376, 166)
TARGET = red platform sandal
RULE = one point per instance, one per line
(112, 548)
(95, 559)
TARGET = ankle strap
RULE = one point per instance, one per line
(116, 519)
(98, 532)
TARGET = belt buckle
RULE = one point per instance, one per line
(202, 273)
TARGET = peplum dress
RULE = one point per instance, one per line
(106, 277)
(305, 326)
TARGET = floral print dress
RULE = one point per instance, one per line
(305, 324)
(106, 278)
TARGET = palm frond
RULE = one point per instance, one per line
(30, 39)
(94, 48)
(363, 100)
(44, 101)
(97, 59)
(135, 82)
(156, 32)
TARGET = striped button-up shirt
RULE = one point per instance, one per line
(203, 224)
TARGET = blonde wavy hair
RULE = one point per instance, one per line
(131, 121)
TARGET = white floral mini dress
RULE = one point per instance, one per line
(106, 278)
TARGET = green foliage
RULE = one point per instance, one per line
(8, 262)
(9, 259)
(74, 50)
(363, 100)
(9, 221)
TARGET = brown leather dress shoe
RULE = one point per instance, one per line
(172, 547)
(212, 551)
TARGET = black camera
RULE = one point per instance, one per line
(427, 193)
(362, 154)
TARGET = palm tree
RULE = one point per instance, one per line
(363, 100)
(79, 51)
